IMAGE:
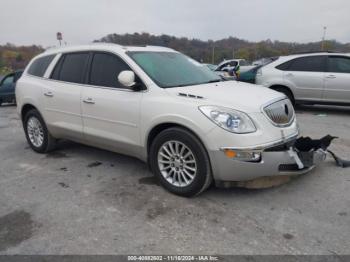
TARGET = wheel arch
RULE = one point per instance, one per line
(157, 129)
(26, 108)
(282, 86)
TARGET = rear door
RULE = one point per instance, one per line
(62, 95)
(337, 81)
(306, 76)
(110, 111)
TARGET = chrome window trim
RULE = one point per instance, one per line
(87, 85)
(54, 62)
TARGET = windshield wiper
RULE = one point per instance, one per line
(194, 84)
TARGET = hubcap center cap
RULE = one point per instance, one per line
(177, 163)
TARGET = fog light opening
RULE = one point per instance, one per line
(247, 156)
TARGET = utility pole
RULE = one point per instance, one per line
(213, 56)
(233, 53)
(324, 37)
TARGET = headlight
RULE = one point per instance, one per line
(231, 120)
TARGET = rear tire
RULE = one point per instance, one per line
(37, 134)
(180, 162)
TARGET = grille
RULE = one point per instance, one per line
(281, 113)
(288, 167)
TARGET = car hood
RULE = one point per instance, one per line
(232, 94)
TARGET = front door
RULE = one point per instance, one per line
(337, 82)
(110, 112)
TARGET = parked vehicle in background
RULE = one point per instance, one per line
(249, 76)
(223, 74)
(314, 78)
(227, 65)
(264, 61)
(7, 87)
(162, 107)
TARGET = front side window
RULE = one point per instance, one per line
(8, 80)
(71, 68)
(170, 69)
(39, 66)
(339, 64)
(308, 64)
(244, 63)
(227, 65)
(105, 69)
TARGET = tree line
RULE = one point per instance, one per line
(14, 57)
(216, 51)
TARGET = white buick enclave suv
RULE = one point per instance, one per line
(162, 107)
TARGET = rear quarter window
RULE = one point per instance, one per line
(284, 66)
(39, 66)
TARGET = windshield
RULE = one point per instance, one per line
(244, 63)
(170, 69)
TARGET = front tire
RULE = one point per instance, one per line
(180, 162)
(37, 134)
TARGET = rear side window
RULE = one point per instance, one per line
(308, 64)
(105, 69)
(339, 64)
(39, 66)
(71, 68)
(285, 66)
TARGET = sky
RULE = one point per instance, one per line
(26, 22)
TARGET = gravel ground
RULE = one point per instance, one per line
(82, 200)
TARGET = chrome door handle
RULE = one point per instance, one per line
(48, 93)
(289, 74)
(331, 76)
(89, 101)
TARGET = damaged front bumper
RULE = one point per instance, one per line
(273, 160)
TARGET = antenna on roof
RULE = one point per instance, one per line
(324, 37)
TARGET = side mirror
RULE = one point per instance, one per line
(127, 78)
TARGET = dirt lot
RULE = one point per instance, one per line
(81, 200)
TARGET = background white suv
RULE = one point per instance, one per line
(317, 78)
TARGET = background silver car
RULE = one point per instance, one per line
(314, 78)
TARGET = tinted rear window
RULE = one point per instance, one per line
(308, 64)
(71, 68)
(39, 66)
